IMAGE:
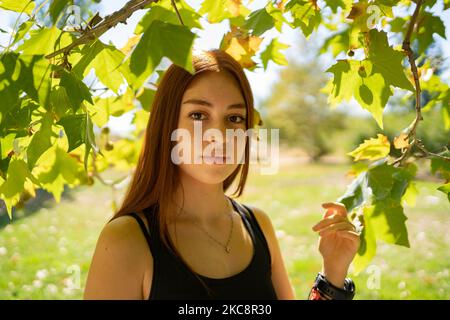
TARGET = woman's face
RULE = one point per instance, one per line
(211, 104)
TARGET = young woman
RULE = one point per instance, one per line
(177, 234)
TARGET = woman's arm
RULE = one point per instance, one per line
(118, 265)
(280, 278)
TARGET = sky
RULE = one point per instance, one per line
(261, 81)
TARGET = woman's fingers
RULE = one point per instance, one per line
(351, 235)
(344, 225)
(328, 221)
(334, 207)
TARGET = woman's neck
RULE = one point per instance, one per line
(206, 203)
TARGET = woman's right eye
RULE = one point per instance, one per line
(196, 116)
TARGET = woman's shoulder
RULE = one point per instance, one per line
(124, 232)
(261, 216)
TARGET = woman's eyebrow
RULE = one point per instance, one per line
(209, 104)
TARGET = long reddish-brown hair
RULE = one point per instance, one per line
(156, 177)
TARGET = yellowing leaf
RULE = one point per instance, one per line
(401, 141)
(257, 121)
(241, 46)
(372, 149)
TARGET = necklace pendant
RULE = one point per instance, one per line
(227, 249)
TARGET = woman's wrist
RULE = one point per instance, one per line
(334, 274)
(324, 290)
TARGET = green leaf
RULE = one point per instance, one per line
(105, 60)
(25, 6)
(335, 4)
(6, 144)
(337, 43)
(63, 169)
(12, 187)
(372, 149)
(306, 15)
(368, 245)
(445, 189)
(259, 22)
(75, 130)
(162, 40)
(272, 52)
(36, 78)
(357, 193)
(428, 25)
(190, 18)
(23, 30)
(387, 61)
(369, 81)
(59, 101)
(77, 91)
(56, 7)
(146, 98)
(389, 222)
(441, 166)
(41, 141)
(10, 84)
(355, 79)
(41, 41)
(216, 10)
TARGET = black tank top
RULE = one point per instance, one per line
(172, 279)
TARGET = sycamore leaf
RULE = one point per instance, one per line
(41, 141)
(158, 12)
(306, 15)
(219, 10)
(372, 149)
(259, 22)
(355, 79)
(445, 189)
(160, 40)
(77, 91)
(145, 97)
(272, 52)
(368, 245)
(13, 185)
(60, 169)
(387, 61)
(56, 7)
(25, 6)
(41, 41)
(401, 141)
(388, 220)
(241, 46)
(257, 120)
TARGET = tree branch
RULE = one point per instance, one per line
(108, 22)
(412, 128)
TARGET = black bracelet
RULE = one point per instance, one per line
(332, 292)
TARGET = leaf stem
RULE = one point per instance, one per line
(176, 10)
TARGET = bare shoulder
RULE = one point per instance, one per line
(263, 219)
(119, 261)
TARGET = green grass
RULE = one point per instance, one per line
(41, 253)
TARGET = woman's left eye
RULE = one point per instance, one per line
(236, 119)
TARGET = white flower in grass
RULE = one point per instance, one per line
(41, 274)
(51, 288)
(3, 251)
(37, 283)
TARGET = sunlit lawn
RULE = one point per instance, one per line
(41, 254)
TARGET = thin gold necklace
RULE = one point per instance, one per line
(226, 246)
